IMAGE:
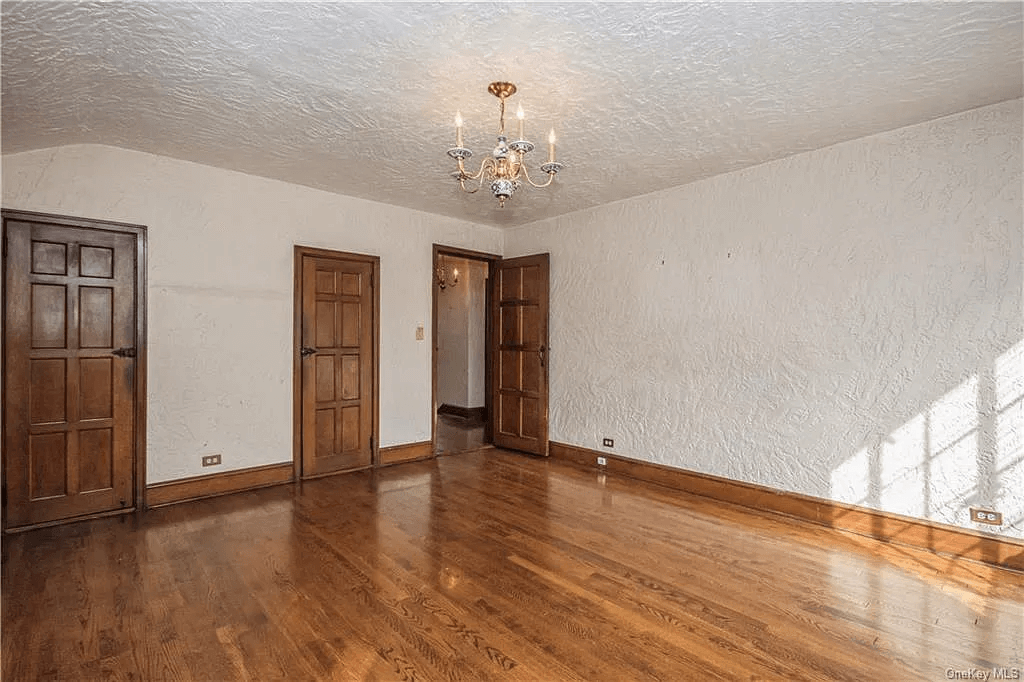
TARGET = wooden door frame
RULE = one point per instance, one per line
(141, 344)
(492, 261)
(301, 252)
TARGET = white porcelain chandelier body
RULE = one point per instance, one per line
(505, 168)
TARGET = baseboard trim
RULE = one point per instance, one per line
(407, 452)
(212, 485)
(471, 413)
(928, 535)
(71, 519)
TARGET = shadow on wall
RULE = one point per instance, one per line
(964, 450)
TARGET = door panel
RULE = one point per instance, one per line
(69, 409)
(520, 313)
(337, 373)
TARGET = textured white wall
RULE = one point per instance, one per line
(845, 323)
(220, 292)
(460, 336)
(452, 338)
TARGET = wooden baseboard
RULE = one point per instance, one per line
(476, 414)
(198, 487)
(904, 530)
(72, 519)
(408, 452)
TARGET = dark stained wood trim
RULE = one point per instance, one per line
(492, 261)
(299, 253)
(211, 485)
(74, 519)
(887, 527)
(408, 452)
(476, 414)
(141, 330)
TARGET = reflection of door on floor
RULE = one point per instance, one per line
(461, 353)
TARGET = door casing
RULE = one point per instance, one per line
(139, 437)
(299, 253)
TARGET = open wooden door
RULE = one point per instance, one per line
(520, 383)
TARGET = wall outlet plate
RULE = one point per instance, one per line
(992, 518)
(211, 460)
(608, 443)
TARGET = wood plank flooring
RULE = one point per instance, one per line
(490, 566)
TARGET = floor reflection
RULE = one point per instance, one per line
(457, 434)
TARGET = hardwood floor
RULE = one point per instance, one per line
(458, 434)
(490, 566)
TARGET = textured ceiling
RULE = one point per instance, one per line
(359, 98)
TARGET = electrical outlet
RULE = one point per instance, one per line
(419, 332)
(992, 518)
(211, 460)
(608, 443)
(602, 461)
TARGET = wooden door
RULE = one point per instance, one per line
(337, 351)
(70, 371)
(520, 383)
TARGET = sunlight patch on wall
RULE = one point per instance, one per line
(1009, 464)
(953, 425)
(851, 479)
(903, 477)
(962, 451)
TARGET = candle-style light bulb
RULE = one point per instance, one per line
(458, 128)
(520, 115)
(551, 146)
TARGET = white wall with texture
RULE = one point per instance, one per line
(844, 323)
(220, 292)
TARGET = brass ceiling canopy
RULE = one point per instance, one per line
(502, 89)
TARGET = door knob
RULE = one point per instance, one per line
(307, 351)
(124, 352)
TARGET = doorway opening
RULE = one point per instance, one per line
(462, 292)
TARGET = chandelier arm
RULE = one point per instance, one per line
(526, 174)
(479, 175)
(462, 184)
(474, 176)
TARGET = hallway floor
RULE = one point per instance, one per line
(457, 434)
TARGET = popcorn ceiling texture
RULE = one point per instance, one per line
(845, 323)
(220, 292)
(359, 98)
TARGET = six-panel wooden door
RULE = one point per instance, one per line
(338, 363)
(70, 364)
(520, 384)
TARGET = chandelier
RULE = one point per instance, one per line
(505, 168)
